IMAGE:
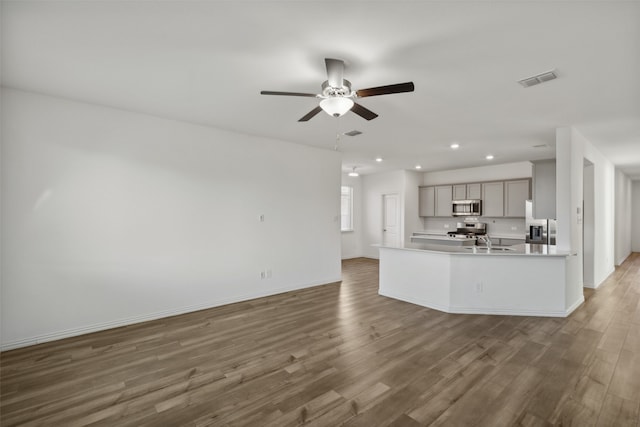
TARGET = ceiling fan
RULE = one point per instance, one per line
(337, 97)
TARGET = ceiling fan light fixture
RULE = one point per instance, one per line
(336, 106)
(353, 172)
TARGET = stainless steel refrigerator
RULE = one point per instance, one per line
(540, 231)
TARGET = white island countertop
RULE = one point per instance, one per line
(526, 249)
(523, 280)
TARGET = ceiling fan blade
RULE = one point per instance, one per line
(385, 90)
(335, 72)
(270, 92)
(310, 114)
(365, 113)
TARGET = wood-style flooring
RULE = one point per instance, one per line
(341, 354)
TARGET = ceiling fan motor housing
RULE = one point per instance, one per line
(330, 91)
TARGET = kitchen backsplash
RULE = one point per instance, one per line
(495, 226)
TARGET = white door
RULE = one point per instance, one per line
(390, 220)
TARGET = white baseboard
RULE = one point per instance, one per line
(96, 327)
(574, 306)
(352, 257)
(417, 301)
(624, 258)
(485, 310)
(596, 286)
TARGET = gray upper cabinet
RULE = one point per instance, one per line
(493, 199)
(467, 191)
(474, 191)
(499, 198)
(427, 200)
(459, 191)
(544, 189)
(444, 196)
(515, 194)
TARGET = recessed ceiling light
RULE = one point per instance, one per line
(455, 146)
(489, 157)
(418, 167)
(378, 159)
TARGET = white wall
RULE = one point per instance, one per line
(111, 217)
(635, 214)
(403, 183)
(352, 240)
(481, 173)
(374, 187)
(623, 217)
(571, 150)
(604, 213)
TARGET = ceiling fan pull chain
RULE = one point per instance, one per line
(335, 147)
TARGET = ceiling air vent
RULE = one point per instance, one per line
(537, 79)
(353, 133)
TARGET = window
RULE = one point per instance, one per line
(346, 209)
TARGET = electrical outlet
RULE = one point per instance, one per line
(263, 274)
(268, 273)
(446, 226)
(261, 217)
(514, 228)
(479, 287)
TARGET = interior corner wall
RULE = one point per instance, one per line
(351, 241)
(604, 212)
(571, 150)
(412, 221)
(623, 205)
(374, 186)
(569, 170)
(635, 213)
(111, 217)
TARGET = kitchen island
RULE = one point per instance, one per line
(525, 279)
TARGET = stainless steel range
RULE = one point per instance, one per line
(466, 234)
(468, 230)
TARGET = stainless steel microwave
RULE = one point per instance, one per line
(466, 208)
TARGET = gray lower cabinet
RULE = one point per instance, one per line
(427, 201)
(493, 199)
(515, 195)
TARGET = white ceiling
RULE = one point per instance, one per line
(206, 61)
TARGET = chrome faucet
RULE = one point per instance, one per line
(484, 238)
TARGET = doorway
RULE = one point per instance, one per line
(390, 220)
